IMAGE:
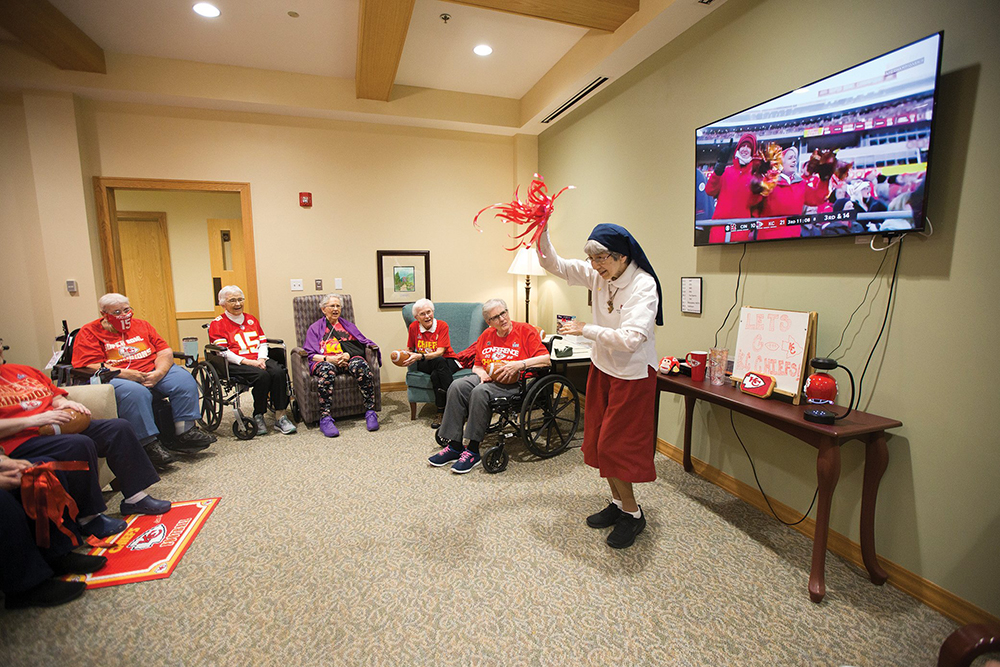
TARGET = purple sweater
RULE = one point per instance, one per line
(314, 338)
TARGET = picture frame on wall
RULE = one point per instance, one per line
(404, 276)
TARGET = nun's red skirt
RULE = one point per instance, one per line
(619, 427)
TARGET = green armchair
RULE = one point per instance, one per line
(465, 323)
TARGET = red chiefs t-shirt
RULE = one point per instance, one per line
(24, 392)
(241, 339)
(426, 342)
(135, 349)
(523, 342)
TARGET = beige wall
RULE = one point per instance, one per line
(374, 188)
(630, 153)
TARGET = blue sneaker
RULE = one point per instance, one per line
(444, 457)
(466, 462)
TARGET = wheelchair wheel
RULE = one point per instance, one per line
(495, 460)
(209, 395)
(294, 412)
(244, 428)
(550, 415)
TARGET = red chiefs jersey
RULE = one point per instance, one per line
(135, 349)
(523, 342)
(24, 392)
(241, 339)
(425, 342)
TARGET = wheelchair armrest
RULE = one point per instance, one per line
(276, 341)
(215, 348)
(71, 375)
(529, 373)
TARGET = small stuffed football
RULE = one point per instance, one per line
(77, 424)
(494, 368)
(399, 356)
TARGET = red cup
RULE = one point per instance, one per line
(697, 360)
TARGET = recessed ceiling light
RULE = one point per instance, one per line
(206, 10)
(483, 50)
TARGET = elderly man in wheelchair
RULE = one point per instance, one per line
(240, 340)
(504, 351)
(146, 363)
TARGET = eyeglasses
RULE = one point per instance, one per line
(495, 318)
(236, 300)
(127, 310)
(599, 259)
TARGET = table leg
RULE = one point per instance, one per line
(827, 476)
(876, 461)
(689, 402)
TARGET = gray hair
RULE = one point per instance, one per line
(111, 299)
(330, 297)
(593, 248)
(227, 290)
(491, 304)
(422, 303)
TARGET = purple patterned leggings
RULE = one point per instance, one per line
(326, 373)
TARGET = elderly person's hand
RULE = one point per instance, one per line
(412, 359)
(151, 378)
(50, 417)
(482, 374)
(256, 363)
(570, 327)
(10, 472)
(508, 374)
(340, 360)
(63, 403)
(134, 376)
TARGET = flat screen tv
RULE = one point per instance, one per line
(847, 155)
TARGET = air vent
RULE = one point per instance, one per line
(568, 104)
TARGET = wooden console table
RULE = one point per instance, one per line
(868, 428)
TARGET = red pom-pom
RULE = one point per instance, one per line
(534, 212)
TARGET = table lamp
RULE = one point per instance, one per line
(526, 264)
(820, 415)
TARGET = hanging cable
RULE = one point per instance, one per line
(736, 295)
(863, 300)
(888, 306)
(754, 468)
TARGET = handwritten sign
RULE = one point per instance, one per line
(775, 343)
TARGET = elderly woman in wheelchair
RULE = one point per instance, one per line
(245, 350)
(504, 351)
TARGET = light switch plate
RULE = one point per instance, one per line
(338, 283)
(319, 285)
(296, 284)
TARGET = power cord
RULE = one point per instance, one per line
(754, 468)
(888, 306)
(863, 300)
(736, 295)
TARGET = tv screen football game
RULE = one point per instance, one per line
(846, 155)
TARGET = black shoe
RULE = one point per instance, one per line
(158, 456)
(437, 420)
(49, 593)
(193, 440)
(74, 563)
(606, 517)
(626, 529)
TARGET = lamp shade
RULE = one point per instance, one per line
(526, 263)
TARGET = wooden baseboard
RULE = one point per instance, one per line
(393, 386)
(959, 610)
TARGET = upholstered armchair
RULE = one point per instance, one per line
(346, 395)
(465, 323)
(100, 400)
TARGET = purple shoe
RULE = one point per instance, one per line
(371, 420)
(328, 428)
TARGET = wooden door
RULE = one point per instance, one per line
(145, 265)
(226, 253)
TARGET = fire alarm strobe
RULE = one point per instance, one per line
(305, 199)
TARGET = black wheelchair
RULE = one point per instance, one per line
(545, 414)
(217, 389)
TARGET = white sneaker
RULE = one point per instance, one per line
(285, 425)
(261, 426)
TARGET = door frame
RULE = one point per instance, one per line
(107, 224)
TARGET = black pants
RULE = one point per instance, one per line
(264, 382)
(441, 371)
(112, 439)
(23, 564)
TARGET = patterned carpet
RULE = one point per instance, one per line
(353, 551)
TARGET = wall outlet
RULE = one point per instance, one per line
(296, 284)
(319, 285)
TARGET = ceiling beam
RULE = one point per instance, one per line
(594, 14)
(382, 26)
(47, 30)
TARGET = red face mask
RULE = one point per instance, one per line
(121, 323)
